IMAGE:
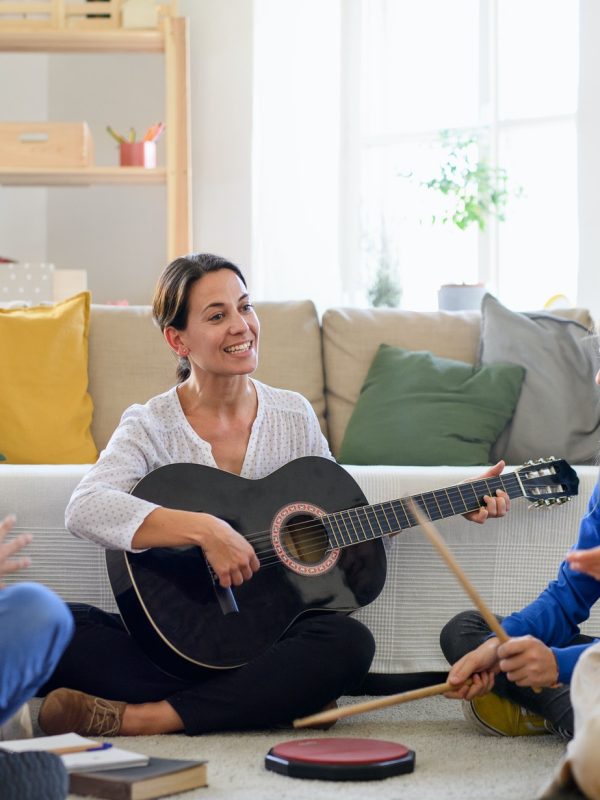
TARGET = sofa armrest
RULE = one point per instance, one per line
(38, 495)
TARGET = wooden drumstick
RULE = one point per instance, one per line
(434, 537)
(443, 549)
(333, 714)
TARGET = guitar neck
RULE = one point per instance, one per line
(364, 523)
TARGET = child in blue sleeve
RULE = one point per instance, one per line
(542, 653)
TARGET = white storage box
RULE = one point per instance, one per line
(26, 283)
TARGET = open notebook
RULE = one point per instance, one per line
(78, 753)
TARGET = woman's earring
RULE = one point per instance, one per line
(184, 352)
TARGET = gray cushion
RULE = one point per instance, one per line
(558, 413)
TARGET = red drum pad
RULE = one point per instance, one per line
(340, 759)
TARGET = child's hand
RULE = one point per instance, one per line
(8, 549)
(587, 561)
(528, 662)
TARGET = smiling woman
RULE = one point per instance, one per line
(217, 416)
(214, 331)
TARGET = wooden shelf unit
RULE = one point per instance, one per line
(80, 41)
(80, 176)
(172, 39)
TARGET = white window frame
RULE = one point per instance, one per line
(488, 268)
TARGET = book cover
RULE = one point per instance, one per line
(159, 778)
(77, 752)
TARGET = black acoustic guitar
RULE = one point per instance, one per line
(318, 542)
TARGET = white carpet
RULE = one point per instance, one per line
(453, 761)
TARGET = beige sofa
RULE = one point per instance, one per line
(327, 361)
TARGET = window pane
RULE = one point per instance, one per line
(397, 226)
(538, 57)
(420, 65)
(539, 239)
(429, 66)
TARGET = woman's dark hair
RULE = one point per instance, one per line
(170, 305)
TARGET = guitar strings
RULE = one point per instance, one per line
(443, 503)
(267, 557)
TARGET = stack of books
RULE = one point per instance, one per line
(98, 769)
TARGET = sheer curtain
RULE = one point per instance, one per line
(296, 144)
(349, 99)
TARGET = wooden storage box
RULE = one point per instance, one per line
(45, 144)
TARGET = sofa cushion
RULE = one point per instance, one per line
(130, 362)
(290, 350)
(417, 408)
(45, 408)
(351, 337)
(558, 412)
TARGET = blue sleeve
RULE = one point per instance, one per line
(554, 617)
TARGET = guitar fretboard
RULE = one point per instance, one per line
(360, 524)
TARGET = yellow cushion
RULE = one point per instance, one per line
(45, 408)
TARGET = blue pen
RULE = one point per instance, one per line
(64, 751)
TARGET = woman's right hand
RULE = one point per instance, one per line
(232, 558)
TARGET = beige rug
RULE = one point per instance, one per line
(453, 761)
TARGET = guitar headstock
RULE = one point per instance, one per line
(548, 481)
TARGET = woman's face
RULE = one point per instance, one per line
(222, 330)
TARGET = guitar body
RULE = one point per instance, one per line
(167, 596)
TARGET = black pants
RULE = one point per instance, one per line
(318, 659)
(468, 630)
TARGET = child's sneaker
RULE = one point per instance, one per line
(496, 716)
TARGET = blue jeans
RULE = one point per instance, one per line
(35, 628)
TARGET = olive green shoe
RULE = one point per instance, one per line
(496, 716)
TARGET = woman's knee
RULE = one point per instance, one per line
(352, 642)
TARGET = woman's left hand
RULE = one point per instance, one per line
(495, 506)
(587, 561)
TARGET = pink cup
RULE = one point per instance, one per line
(138, 154)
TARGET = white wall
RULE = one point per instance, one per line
(221, 120)
(118, 233)
(588, 293)
(297, 150)
(23, 211)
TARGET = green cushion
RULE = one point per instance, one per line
(419, 409)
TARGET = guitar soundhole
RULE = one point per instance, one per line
(305, 539)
